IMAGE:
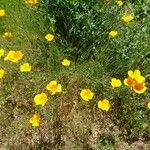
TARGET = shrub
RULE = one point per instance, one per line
(83, 25)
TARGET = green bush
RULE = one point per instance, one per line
(82, 25)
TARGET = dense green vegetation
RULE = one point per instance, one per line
(81, 29)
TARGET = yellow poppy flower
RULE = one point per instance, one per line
(127, 18)
(136, 75)
(148, 105)
(26, 67)
(49, 37)
(2, 73)
(113, 34)
(133, 78)
(7, 35)
(119, 3)
(136, 81)
(115, 82)
(86, 94)
(32, 2)
(129, 82)
(2, 12)
(1, 52)
(40, 99)
(54, 87)
(104, 105)
(35, 120)
(14, 56)
(139, 88)
(66, 62)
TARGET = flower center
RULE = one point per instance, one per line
(139, 86)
